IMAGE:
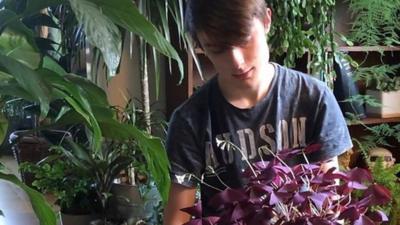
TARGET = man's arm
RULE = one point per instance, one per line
(333, 162)
(179, 197)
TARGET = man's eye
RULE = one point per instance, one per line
(217, 51)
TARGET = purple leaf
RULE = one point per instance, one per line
(360, 175)
(356, 185)
(211, 220)
(378, 216)
(194, 222)
(195, 210)
(289, 188)
(276, 197)
(240, 211)
(332, 175)
(350, 213)
(318, 199)
(267, 175)
(320, 221)
(261, 217)
(228, 196)
(298, 199)
(380, 194)
(364, 220)
(312, 148)
(288, 153)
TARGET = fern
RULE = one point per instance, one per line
(388, 178)
(379, 77)
(374, 22)
(378, 137)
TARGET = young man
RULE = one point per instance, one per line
(250, 102)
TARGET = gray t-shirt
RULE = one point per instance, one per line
(298, 110)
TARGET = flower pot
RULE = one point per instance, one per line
(390, 104)
(75, 219)
(28, 147)
(125, 203)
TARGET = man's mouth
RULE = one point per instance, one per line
(243, 75)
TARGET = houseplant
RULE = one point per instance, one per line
(304, 27)
(303, 194)
(383, 84)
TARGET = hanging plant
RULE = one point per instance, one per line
(304, 26)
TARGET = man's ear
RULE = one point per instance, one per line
(267, 20)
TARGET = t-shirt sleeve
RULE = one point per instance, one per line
(330, 129)
(184, 152)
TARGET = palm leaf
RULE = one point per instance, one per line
(29, 80)
(100, 31)
(125, 14)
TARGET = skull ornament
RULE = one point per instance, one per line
(386, 155)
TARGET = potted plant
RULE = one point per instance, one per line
(71, 186)
(303, 194)
(383, 85)
(386, 172)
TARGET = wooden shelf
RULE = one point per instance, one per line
(349, 49)
(371, 121)
(368, 48)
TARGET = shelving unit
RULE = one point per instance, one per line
(374, 121)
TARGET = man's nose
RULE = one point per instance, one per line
(237, 57)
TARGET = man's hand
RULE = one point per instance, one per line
(179, 197)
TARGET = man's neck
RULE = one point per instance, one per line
(249, 97)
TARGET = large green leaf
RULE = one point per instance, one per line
(6, 17)
(125, 14)
(73, 95)
(34, 6)
(100, 31)
(29, 80)
(42, 209)
(16, 46)
(156, 160)
(3, 127)
(12, 88)
(152, 148)
(93, 92)
(50, 64)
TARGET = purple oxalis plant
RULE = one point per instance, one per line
(303, 194)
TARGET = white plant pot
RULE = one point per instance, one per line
(390, 104)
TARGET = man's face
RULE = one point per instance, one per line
(241, 66)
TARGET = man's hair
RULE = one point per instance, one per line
(224, 22)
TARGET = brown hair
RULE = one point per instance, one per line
(225, 22)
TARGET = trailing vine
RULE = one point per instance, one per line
(300, 26)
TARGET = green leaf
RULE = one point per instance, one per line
(6, 17)
(3, 127)
(152, 148)
(16, 46)
(93, 92)
(34, 6)
(29, 80)
(125, 14)
(100, 31)
(42, 209)
(74, 96)
(50, 64)
(156, 160)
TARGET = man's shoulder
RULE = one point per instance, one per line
(197, 103)
(290, 79)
